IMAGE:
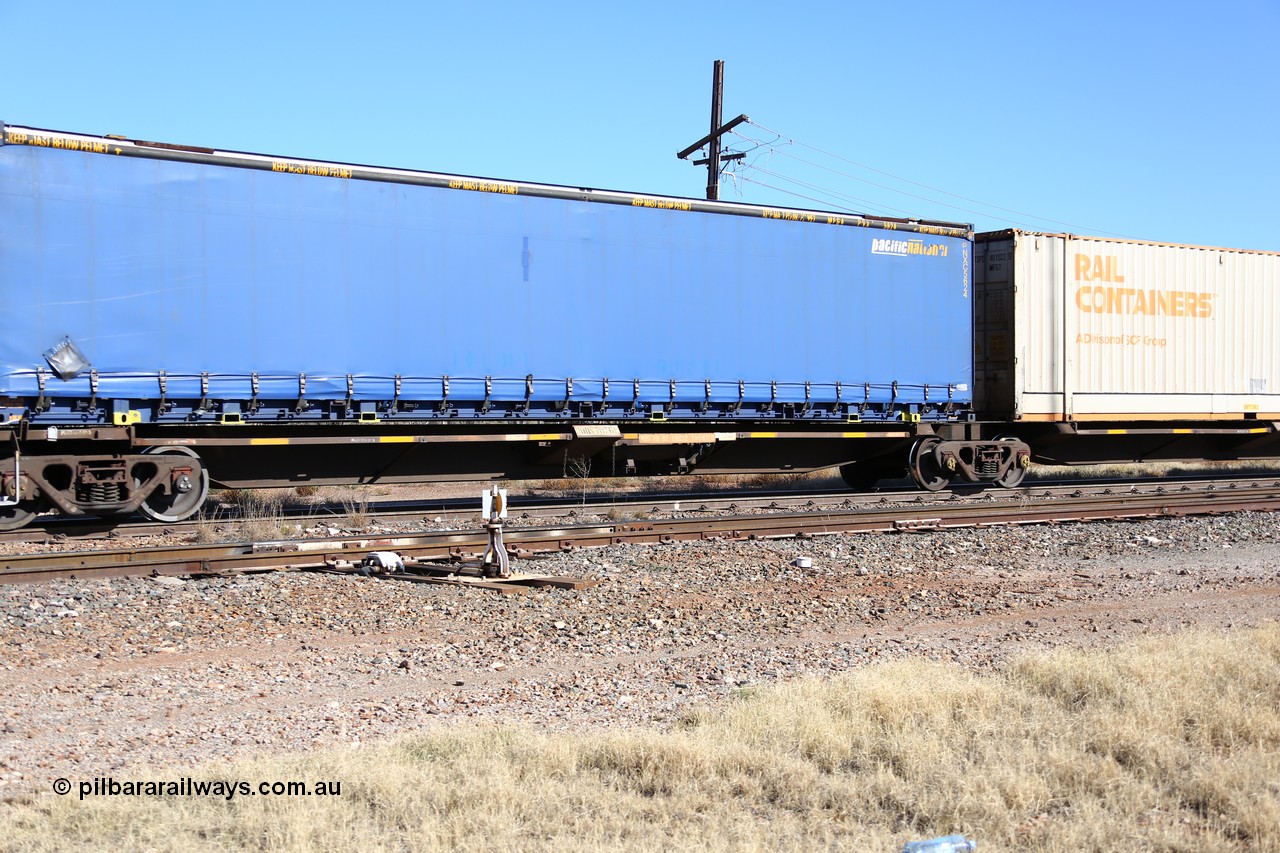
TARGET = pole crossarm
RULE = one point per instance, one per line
(724, 158)
(725, 128)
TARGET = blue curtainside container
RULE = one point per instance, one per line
(199, 283)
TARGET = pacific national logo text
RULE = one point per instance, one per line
(904, 248)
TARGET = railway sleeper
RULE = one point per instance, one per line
(168, 484)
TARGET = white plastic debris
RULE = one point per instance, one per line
(388, 561)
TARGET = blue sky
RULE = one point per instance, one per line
(1154, 121)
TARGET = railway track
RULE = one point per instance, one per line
(451, 556)
(461, 511)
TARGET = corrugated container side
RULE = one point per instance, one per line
(1114, 329)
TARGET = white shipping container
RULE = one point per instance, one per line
(1087, 328)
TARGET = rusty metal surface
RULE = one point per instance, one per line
(456, 546)
(466, 511)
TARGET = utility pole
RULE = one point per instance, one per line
(717, 118)
(718, 130)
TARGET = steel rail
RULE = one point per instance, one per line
(463, 510)
(455, 545)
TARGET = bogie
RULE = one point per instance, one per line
(164, 483)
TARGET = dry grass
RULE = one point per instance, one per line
(237, 515)
(355, 505)
(257, 515)
(1173, 744)
(1114, 470)
(826, 478)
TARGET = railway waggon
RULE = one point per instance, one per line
(178, 317)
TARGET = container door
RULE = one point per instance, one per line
(993, 340)
(1040, 329)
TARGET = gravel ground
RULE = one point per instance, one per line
(99, 676)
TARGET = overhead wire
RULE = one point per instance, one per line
(747, 180)
(880, 185)
(869, 206)
(738, 170)
(780, 141)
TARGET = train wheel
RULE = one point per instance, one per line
(17, 516)
(187, 496)
(1012, 478)
(924, 469)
